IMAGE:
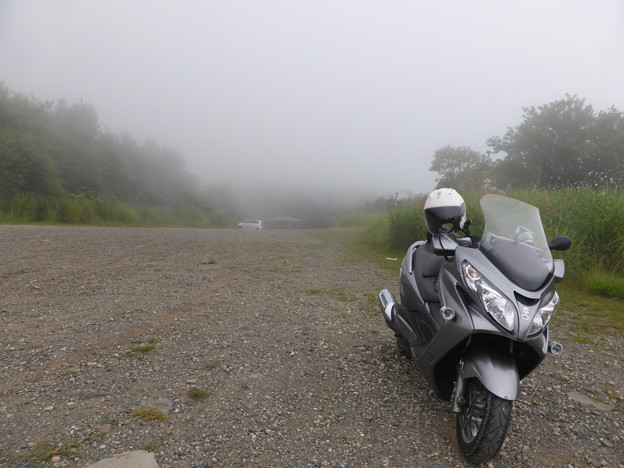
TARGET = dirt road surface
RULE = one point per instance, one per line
(260, 349)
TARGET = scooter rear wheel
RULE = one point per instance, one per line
(482, 423)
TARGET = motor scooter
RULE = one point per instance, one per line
(474, 315)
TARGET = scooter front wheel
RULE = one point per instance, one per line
(482, 423)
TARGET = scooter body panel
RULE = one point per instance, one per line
(437, 344)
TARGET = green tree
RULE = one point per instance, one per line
(59, 149)
(561, 144)
(605, 164)
(460, 168)
(25, 165)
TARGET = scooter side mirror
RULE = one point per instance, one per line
(560, 243)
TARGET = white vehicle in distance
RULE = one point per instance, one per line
(250, 224)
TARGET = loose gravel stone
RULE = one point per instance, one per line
(279, 330)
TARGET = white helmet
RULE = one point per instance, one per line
(444, 206)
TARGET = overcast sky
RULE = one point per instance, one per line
(333, 94)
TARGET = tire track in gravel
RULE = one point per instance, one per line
(108, 341)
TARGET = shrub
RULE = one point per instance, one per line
(92, 208)
(605, 284)
(148, 413)
(197, 394)
(593, 219)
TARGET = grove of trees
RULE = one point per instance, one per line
(58, 165)
(562, 144)
(56, 149)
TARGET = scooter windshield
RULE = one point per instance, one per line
(514, 241)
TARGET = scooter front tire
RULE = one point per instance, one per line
(482, 423)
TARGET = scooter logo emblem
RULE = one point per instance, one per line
(525, 312)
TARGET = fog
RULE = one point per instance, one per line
(330, 97)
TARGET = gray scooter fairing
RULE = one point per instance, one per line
(499, 359)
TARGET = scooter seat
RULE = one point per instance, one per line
(427, 267)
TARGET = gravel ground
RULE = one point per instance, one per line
(269, 351)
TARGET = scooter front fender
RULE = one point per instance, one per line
(497, 372)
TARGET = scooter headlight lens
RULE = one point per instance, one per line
(497, 305)
(543, 316)
(471, 275)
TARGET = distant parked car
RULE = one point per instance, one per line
(250, 224)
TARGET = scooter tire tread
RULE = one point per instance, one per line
(492, 433)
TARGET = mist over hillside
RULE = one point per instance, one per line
(58, 149)
(315, 208)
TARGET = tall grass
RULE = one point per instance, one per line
(406, 224)
(96, 209)
(593, 219)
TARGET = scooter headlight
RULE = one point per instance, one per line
(498, 306)
(543, 316)
(471, 276)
